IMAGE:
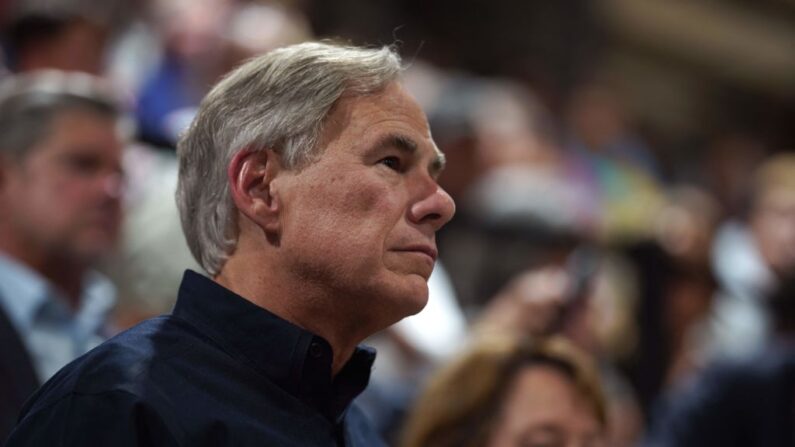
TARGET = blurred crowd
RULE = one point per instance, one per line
(586, 294)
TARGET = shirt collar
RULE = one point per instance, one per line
(24, 293)
(96, 301)
(294, 359)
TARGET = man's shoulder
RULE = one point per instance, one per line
(133, 361)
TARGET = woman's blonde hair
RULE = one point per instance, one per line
(461, 403)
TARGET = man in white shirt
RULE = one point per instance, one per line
(60, 182)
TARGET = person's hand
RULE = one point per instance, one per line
(531, 303)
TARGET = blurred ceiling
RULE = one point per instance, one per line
(734, 41)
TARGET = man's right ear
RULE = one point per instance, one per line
(250, 174)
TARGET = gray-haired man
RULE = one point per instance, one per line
(308, 193)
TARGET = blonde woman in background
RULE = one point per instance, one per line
(512, 392)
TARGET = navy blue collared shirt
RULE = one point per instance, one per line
(219, 371)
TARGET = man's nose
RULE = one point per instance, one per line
(112, 185)
(437, 208)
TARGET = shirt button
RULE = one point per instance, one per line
(315, 350)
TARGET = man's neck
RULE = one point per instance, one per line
(309, 309)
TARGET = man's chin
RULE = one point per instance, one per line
(91, 251)
(416, 297)
(411, 264)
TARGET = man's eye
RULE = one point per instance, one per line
(82, 164)
(391, 162)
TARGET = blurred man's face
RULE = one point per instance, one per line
(360, 220)
(62, 199)
(773, 224)
(80, 46)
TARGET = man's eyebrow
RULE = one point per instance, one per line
(407, 145)
(438, 163)
(398, 141)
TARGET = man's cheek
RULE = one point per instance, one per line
(357, 202)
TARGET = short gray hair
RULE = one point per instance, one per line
(30, 102)
(277, 101)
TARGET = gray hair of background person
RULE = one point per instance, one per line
(278, 101)
(30, 102)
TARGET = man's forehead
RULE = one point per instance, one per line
(391, 105)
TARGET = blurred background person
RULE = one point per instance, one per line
(675, 287)
(199, 41)
(60, 191)
(505, 174)
(577, 298)
(749, 254)
(69, 35)
(749, 402)
(511, 391)
(161, 56)
(615, 166)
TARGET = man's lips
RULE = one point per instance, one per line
(427, 250)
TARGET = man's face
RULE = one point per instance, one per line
(62, 199)
(360, 220)
(773, 224)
